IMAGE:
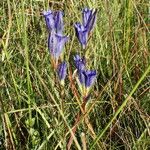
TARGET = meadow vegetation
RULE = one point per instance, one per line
(38, 113)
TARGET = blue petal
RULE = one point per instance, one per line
(61, 40)
(90, 76)
(56, 44)
(59, 22)
(49, 19)
(81, 77)
(77, 58)
(82, 34)
(51, 44)
(87, 77)
(79, 62)
(86, 13)
(62, 70)
(54, 21)
(89, 18)
(91, 22)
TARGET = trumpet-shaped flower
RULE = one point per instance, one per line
(84, 29)
(56, 44)
(54, 21)
(59, 22)
(82, 34)
(89, 18)
(79, 62)
(87, 77)
(49, 19)
(62, 71)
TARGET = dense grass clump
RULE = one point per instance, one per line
(38, 112)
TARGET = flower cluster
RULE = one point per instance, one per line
(57, 40)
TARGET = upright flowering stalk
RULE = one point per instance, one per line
(86, 79)
(84, 29)
(62, 72)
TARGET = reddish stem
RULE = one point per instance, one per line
(76, 122)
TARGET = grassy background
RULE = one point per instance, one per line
(37, 113)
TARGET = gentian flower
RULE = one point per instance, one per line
(89, 18)
(86, 13)
(56, 44)
(84, 29)
(87, 77)
(82, 34)
(79, 62)
(49, 19)
(54, 21)
(59, 22)
(62, 71)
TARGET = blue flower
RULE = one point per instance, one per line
(79, 62)
(87, 77)
(86, 13)
(82, 34)
(49, 19)
(89, 18)
(84, 29)
(59, 22)
(62, 71)
(54, 21)
(56, 44)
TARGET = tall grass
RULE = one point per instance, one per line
(37, 113)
